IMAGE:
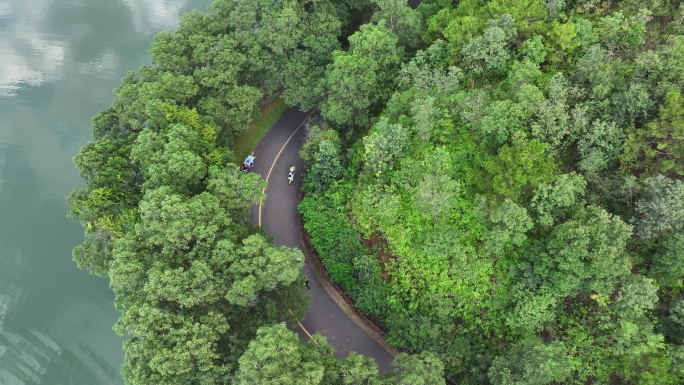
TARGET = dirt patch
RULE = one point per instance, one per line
(376, 242)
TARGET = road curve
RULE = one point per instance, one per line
(275, 153)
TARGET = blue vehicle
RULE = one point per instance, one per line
(248, 164)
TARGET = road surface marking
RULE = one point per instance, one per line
(276, 159)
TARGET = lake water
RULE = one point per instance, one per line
(59, 62)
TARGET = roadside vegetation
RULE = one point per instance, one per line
(499, 183)
(246, 141)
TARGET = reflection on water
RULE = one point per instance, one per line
(59, 61)
(33, 54)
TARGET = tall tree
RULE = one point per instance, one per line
(531, 362)
(587, 253)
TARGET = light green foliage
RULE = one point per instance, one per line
(303, 67)
(174, 224)
(563, 43)
(660, 68)
(430, 70)
(586, 253)
(641, 354)
(384, 146)
(533, 49)
(171, 348)
(531, 362)
(510, 223)
(359, 370)
(553, 202)
(435, 190)
(554, 8)
(472, 107)
(456, 26)
(502, 119)
(377, 44)
(520, 168)
(532, 310)
(333, 237)
(179, 260)
(276, 356)
(528, 14)
(367, 268)
(424, 112)
(495, 191)
(489, 53)
(236, 192)
(105, 205)
(258, 266)
(376, 204)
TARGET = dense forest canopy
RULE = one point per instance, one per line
(498, 183)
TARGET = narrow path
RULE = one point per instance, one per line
(276, 152)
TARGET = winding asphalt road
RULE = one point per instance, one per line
(275, 153)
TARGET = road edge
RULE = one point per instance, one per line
(335, 293)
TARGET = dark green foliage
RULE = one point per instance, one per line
(659, 147)
(531, 362)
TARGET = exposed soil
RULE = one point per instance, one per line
(384, 255)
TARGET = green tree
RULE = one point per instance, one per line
(171, 158)
(277, 357)
(378, 44)
(586, 253)
(667, 263)
(553, 202)
(323, 163)
(637, 295)
(510, 223)
(105, 206)
(489, 53)
(660, 209)
(351, 84)
(420, 369)
(303, 68)
(436, 189)
(401, 20)
(531, 362)
(519, 169)
(384, 146)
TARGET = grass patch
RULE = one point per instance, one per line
(245, 142)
